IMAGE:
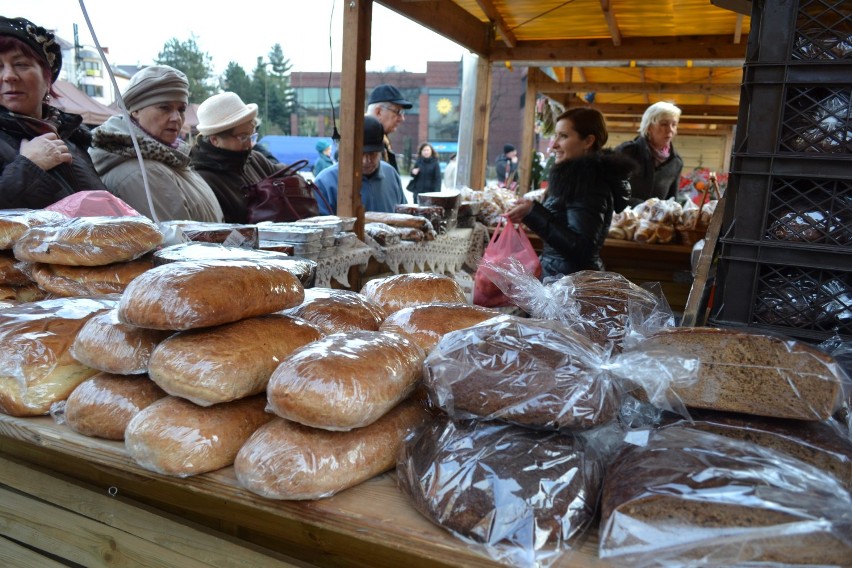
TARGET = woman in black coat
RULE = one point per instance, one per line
(426, 173)
(586, 185)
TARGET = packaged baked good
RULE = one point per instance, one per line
(89, 241)
(287, 460)
(63, 280)
(399, 220)
(399, 291)
(694, 498)
(109, 345)
(345, 380)
(36, 366)
(227, 362)
(428, 323)
(188, 294)
(229, 234)
(10, 271)
(336, 311)
(521, 496)
(15, 222)
(383, 234)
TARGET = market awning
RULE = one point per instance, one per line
(73, 100)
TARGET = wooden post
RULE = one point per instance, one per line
(481, 115)
(528, 138)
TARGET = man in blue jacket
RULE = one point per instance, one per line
(381, 186)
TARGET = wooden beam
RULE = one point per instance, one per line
(565, 53)
(499, 23)
(610, 22)
(739, 6)
(649, 88)
(446, 18)
(738, 29)
(528, 136)
(482, 108)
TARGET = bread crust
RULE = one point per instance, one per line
(10, 273)
(64, 280)
(109, 345)
(399, 291)
(15, 222)
(335, 311)
(427, 324)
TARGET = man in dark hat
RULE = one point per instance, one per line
(507, 167)
(381, 187)
(387, 105)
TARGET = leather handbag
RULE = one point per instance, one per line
(283, 196)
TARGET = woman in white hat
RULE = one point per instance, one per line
(156, 100)
(224, 153)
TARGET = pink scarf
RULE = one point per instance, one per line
(660, 155)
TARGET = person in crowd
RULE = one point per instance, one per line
(426, 173)
(387, 105)
(43, 150)
(585, 186)
(659, 165)
(156, 99)
(224, 153)
(324, 158)
(506, 167)
(381, 187)
(450, 173)
(261, 147)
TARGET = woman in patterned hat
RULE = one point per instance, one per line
(43, 150)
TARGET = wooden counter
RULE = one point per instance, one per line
(370, 525)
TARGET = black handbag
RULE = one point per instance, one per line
(283, 196)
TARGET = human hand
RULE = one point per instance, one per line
(415, 171)
(46, 151)
(521, 209)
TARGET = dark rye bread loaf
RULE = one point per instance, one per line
(526, 371)
(699, 499)
(501, 484)
(755, 373)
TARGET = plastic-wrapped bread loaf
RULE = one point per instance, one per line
(106, 344)
(400, 220)
(399, 291)
(89, 241)
(187, 295)
(287, 460)
(10, 273)
(427, 324)
(345, 380)
(335, 311)
(227, 362)
(15, 222)
(63, 280)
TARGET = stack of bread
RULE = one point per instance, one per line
(15, 282)
(415, 228)
(655, 221)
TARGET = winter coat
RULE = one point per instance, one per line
(381, 191)
(227, 172)
(25, 185)
(574, 218)
(648, 181)
(322, 163)
(177, 191)
(428, 177)
(504, 166)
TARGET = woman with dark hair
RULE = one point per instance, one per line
(43, 150)
(586, 185)
(426, 173)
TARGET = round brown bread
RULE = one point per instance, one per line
(102, 406)
(345, 380)
(188, 294)
(175, 437)
(15, 222)
(10, 273)
(89, 241)
(287, 460)
(500, 484)
(63, 280)
(425, 325)
(335, 311)
(235, 360)
(399, 291)
(106, 344)
(36, 366)
(526, 371)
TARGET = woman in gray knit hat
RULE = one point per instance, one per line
(156, 99)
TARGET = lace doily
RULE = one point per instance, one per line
(446, 254)
(338, 265)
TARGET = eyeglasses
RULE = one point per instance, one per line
(398, 111)
(243, 138)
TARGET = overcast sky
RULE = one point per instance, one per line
(238, 31)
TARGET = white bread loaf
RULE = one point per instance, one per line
(188, 294)
(335, 311)
(106, 344)
(345, 380)
(235, 360)
(102, 406)
(63, 280)
(427, 324)
(286, 460)
(36, 366)
(175, 437)
(399, 291)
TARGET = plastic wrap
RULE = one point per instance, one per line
(228, 234)
(428, 323)
(10, 273)
(174, 437)
(62, 280)
(691, 498)
(346, 223)
(94, 203)
(15, 222)
(188, 294)
(345, 380)
(36, 366)
(227, 362)
(106, 344)
(521, 496)
(335, 311)
(286, 460)
(103, 405)
(89, 241)
(399, 291)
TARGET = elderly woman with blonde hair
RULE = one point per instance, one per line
(156, 99)
(660, 166)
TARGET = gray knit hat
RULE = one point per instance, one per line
(155, 84)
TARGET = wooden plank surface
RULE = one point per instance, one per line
(371, 525)
(13, 555)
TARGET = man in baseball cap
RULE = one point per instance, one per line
(388, 106)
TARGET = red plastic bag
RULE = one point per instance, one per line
(508, 241)
(93, 203)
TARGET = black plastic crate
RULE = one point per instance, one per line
(807, 30)
(796, 299)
